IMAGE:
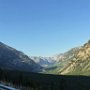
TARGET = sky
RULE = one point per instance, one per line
(44, 27)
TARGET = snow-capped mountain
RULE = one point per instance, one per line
(44, 61)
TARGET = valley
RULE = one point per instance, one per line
(74, 62)
(66, 71)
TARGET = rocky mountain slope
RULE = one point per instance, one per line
(61, 60)
(80, 63)
(13, 59)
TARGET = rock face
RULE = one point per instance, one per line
(67, 55)
(13, 59)
(80, 62)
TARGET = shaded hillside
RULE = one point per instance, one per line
(13, 59)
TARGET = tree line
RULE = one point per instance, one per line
(31, 81)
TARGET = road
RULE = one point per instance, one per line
(3, 87)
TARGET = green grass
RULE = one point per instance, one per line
(84, 73)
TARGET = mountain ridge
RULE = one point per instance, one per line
(80, 62)
(11, 58)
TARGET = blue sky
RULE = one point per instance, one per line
(44, 27)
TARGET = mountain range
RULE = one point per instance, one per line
(44, 61)
(73, 62)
